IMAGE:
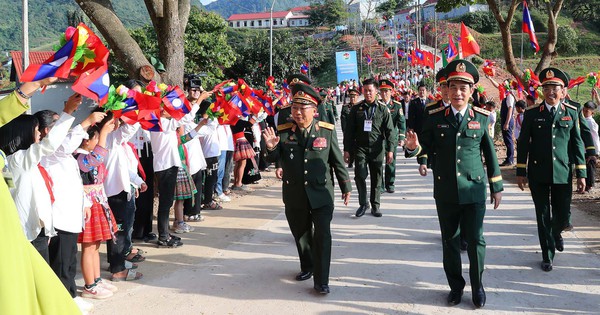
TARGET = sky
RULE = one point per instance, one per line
(205, 2)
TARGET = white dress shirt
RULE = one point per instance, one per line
(196, 160)
(209, 139)
(118, 169)
(30, 194)
(225, 137)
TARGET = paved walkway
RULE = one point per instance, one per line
(242, 260)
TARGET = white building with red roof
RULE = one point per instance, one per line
(295, 17)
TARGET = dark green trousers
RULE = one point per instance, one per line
(364, 163)
(314, 248)
(552, 208)
(468, 218)
(389, 173)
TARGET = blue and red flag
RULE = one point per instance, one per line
(451, 50)
(58, 65)
(401, 53)
(419, 54)
(176, 104)
(369, 60)
(267, 102)
(528, 28)
(94, 84)
(304, 68)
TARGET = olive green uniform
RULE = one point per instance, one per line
(344, 113)
(459, 185)
(369, 147)
(543, 156)
(399, 132)
(308, 190)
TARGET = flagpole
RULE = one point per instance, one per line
(522, 44)
(435, 49)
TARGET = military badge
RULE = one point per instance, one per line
(566, 118)
(443, 126)
(320, 142)
(474, 125)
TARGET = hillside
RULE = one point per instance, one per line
(228, 7)
(48, 19)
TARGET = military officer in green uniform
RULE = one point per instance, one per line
(353, 95)
(308, 149)
(284, 114)
(459, 134)
(369, 136)
(549, 131)
(440, 78)
(326, 108)
(386, 88)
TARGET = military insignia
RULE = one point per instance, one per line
(295, 80)
(443, 126)
(474, 125)
(550, 74)
(540, 119)
(461, 67)
(482, 111)
(300, 93)
(320, 142)
(291, 156)
(292, 142)
(566, 118)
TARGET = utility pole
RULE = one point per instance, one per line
(309, 63)
(25, 35)
(271, 41)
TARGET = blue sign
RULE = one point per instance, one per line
(346, 66)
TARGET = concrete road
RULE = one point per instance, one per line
(242, 260)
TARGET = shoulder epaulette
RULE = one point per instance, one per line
(572, 102)
(533, 106)
(326, 125)
(431, 104)
(435, 110)
(573, 107)
(285, 126)
(397, 102)
(481, 111)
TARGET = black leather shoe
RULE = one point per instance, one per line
(361, 211)
(560, 243)
(376, 213)
(321, 288)
(569, 227)
(479, 298)
(463, 245)
(390, 190)
(546, 266)
(455, 297)
(304, 275)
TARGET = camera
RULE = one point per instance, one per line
(192, 81)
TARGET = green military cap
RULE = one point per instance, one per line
(441, 76)
(554, 76)
(322, 93)
(305, 94)
(297, 78)
(354, 91)
(462, 70)
(386, 84)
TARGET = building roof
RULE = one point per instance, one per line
(430, 2)
(299, 16)
(258, 16)
(35, 58)
(299, 9)
(405, 11)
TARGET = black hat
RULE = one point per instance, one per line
(386, 84)
(591, 105)
(297, 78)
(305, 94)
(353, 91)
(554, 76)
(441, 76)
(462, 70)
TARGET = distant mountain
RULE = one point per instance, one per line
(48, 19)
(228, 7)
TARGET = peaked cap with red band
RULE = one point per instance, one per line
(297, 78)
(554, 76)
(462, 70)
(305, 94)
(386, 84)
(441, 76)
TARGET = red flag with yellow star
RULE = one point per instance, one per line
(468, 45)
(94, 53)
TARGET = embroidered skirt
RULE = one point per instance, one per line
(242, 150)
(185, 187)
(101, 225)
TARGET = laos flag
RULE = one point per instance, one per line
(528, 27)
(94, 84)
(176, 104)
(59, 65)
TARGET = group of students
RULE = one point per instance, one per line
(94, 182)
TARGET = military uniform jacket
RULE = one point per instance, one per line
(285, 115)
(584, 130)
(545, 142)
(380, 137)
(307, 167)
(344, 113)
(398, 120)
(459, 175)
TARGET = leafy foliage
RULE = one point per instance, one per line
(388, 8)
(585, 10)
(482, 22)
(327, 12)
(539, 18)
(567, 40)
(206, 47)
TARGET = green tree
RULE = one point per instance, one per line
(327, 12)
(567, 40)
(388, 8)
(206, 48)
(585, 10)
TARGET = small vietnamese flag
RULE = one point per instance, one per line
(386, 55)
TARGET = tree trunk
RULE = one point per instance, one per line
(509, 58)
(549, 52)
(169, 18)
